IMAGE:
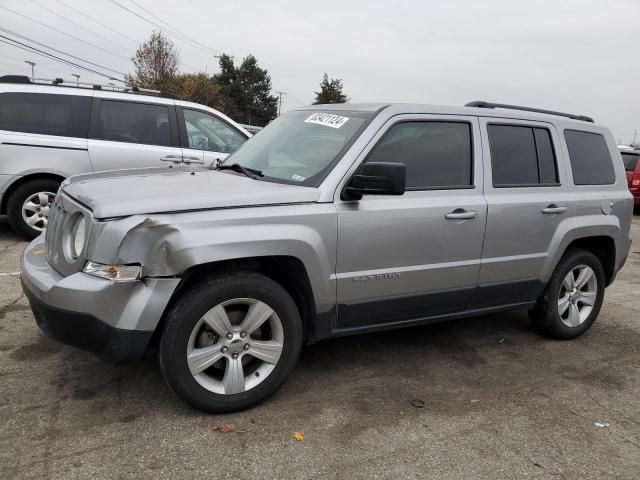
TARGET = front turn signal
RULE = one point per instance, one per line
(115, 273)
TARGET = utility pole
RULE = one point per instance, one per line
(77, 79)
(280, 101)
(220, 56)
(33, 75)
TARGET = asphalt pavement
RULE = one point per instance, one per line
(499, 401)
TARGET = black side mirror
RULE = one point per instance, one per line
(377, 178)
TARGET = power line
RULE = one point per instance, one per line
(64, 33)
(172, 28)
(79, 12)
(169, 32)
(23, 37)
(7, 57)
(37, 51)
(20, 62)
(79, 26)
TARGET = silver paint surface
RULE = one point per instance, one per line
(172, 220)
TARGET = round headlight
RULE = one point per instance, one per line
(79, 231)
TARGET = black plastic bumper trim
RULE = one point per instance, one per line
(81, 330)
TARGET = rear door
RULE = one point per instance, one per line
(415, 256)
(132, 134)
(206, 137)
(528, 200)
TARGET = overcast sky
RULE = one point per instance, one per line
(579, 56)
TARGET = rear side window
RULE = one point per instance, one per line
(590, 158)
(437, 155)
(46, 114)
(630, 161)
(134, 123)
(522, 156)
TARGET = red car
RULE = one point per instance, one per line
(632, 166)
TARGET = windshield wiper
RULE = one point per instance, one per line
(236, 167)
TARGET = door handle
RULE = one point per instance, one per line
(554, 209)
(189, 160)
(172, 158)
(461, 214)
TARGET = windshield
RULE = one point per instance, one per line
(300, 147)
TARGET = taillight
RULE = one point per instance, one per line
(635, 180)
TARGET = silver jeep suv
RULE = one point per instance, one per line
(51, 131)
(333, 220)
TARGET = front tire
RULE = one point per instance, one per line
(28, 206)
(573, 297)
(230, 342)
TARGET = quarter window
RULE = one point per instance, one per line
(46, 114)
(590, 158)
(437, 155)
(206, 132)
(134, 122)
(522, 156)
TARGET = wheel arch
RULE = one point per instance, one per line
(603, 247)
(25, 179)
(602, 235)
(288, 271)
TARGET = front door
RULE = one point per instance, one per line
(127, 134)
(415, 256)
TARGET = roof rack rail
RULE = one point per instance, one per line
(23, 79)
(482, 104)
(15, 79)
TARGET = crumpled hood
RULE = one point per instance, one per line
(120, 193)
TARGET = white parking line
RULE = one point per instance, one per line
(9, 274)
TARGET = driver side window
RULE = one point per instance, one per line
(207, 132)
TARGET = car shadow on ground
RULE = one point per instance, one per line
(454, 355)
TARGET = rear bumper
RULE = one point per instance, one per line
(113, 320)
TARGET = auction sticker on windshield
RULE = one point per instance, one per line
(327, 119)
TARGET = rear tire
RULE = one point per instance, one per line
(23, 204)
(230, 342)
(573, 297)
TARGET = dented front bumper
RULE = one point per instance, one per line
(114, 320)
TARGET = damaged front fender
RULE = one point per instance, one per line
(168, 245)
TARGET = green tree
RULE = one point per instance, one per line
(155, 64)
(245, 91)
(330, 91)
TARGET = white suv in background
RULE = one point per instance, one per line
(49, 132)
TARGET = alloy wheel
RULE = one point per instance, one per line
(235, 346)
(577, 295)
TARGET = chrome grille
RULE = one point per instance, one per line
(56, 217)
